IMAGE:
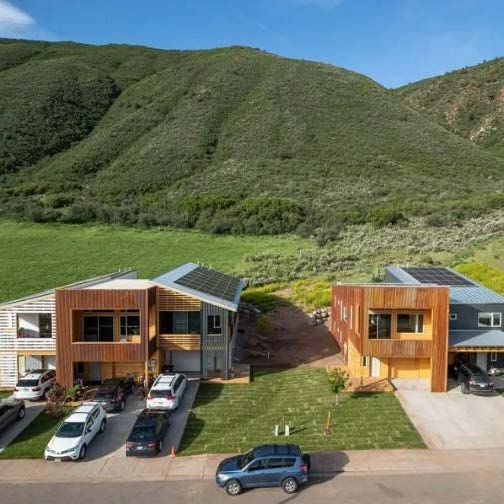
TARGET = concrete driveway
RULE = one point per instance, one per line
(111, 442)
(453, 420)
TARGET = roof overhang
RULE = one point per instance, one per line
(474, 339)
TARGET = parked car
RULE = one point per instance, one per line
(146, 436)
(111, 395)
(167, 391)
(127, 383)
(73, 436)
(34, 385)
(265, 466)
(10, 410)
(473, 379)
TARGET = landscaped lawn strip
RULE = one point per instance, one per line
(234, 418)
(5, 393)
(31, 443)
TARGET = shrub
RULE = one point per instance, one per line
(55, 398)
(382, 216)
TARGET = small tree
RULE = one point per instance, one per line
(338, 381)
(55, 398)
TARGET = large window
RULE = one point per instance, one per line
(98, 328)
(380, 325)
(410, 323)
(489, 319)
(179, 322)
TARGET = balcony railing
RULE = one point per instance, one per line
(179, 341)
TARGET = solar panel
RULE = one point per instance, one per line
(438, 276)
(210, 282)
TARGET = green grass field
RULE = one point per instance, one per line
(31, 443)
(35, 257)
(5, 393)
(233, 418)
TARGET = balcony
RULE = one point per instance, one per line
(185, 342)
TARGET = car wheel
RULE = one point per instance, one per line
(233, 487)
(102, 426)
(82, 452)
(290, 485)
(21, 413)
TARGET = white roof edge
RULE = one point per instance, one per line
(74, 285)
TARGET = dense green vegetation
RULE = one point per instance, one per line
(231, 140)
(235, 418)
(35, 257)
(469, 102)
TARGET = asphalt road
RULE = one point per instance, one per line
(356, 488)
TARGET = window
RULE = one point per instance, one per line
(489, 319)
(345, 314)
(453, 316)
(257, 465)
(179, 322)
(380, 325)
(98, 328)
(130, 324)
(363, 362)
(45, 325)
(410, 323)
(493, 357)
(277, 462)
(214, 324)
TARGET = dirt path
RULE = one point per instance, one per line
(293, 342)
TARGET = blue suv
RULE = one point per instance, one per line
(265, 466)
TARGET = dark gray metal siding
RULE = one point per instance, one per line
(467, 315)
(215, 344)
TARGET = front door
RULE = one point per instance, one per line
(375, 367)
(255, 474)
(94, 372)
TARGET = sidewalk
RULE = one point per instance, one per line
(203, 467)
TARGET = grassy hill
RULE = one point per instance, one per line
(469, 102)
(231, 140)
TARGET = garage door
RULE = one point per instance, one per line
(409, 368)
(186, 361)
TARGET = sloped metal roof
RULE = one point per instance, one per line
(476, 338)
(472, 293)
(205, 284)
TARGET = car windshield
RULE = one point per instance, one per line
(160, 392)
(27, 383)
(101, 396)
(70, 429)
(245, 459)
(142, 433)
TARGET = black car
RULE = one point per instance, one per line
(126, 383)
(10, 410)
(146, 437)
(473, 379)
(111, 396)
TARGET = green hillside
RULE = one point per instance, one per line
(469, 102)
(231, 140)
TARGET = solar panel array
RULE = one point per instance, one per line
(210, 282)
(438, 276)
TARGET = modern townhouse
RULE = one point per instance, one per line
(416, 323)
(118, 325)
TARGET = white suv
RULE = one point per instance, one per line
(166, 392)
(35, 384)
(71, 440)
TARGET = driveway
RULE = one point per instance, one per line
(33, 409)
(453, 420)
(119, 425)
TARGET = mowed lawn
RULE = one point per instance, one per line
(35, 257)
(31, 443)
(234, 418)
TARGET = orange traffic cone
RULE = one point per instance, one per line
(172, 454)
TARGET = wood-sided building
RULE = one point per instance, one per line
(393, 331)
(186, 319)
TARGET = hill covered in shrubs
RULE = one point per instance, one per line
(231, 140)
